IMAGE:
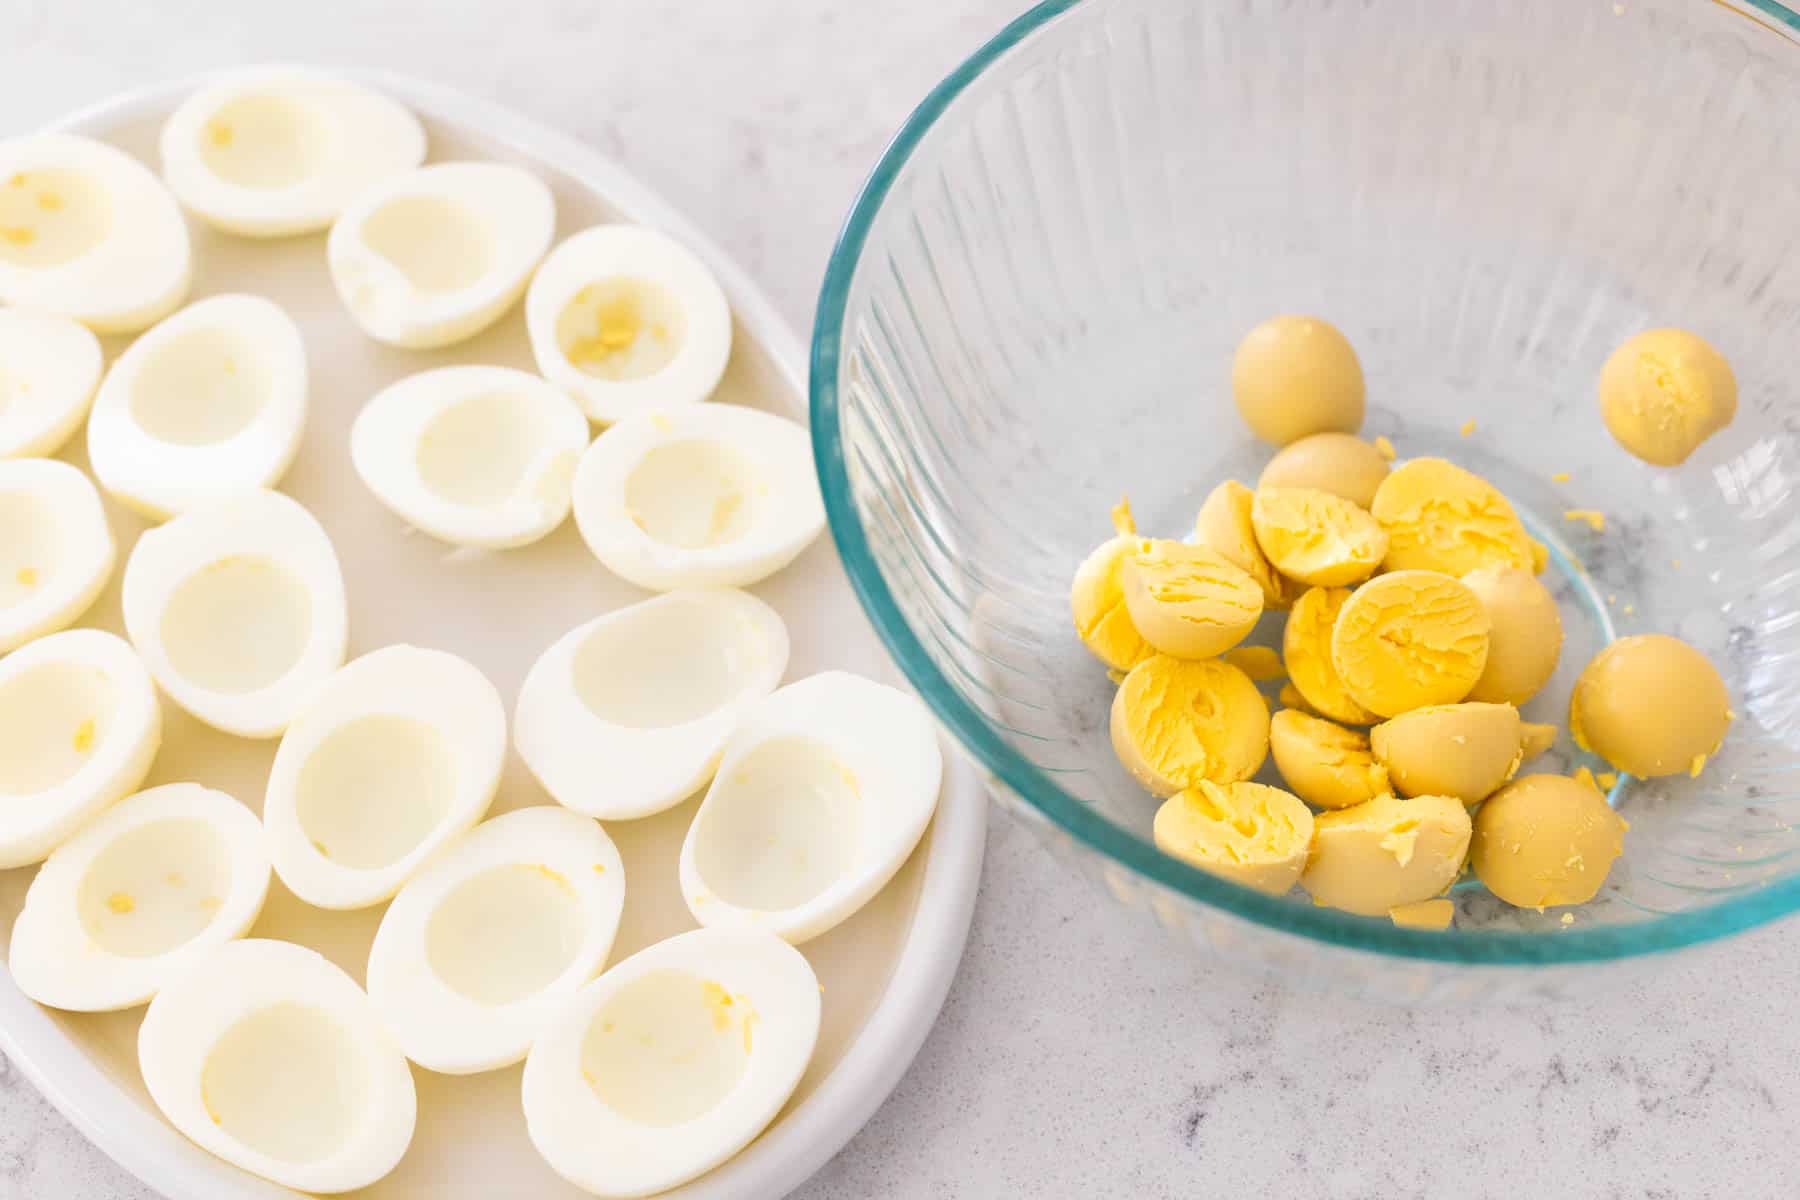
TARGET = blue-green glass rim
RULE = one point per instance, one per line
(1575, 944)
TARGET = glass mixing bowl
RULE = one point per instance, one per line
(1033, 306)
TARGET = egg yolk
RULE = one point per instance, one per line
(1546, 840)
(1526, 637)
(1097, 599)
(1249, 833)
(1188, 601)
(1177, 723)
(1460, 750)
(1409, 640)
(1317, 538)
(1226, 526)
(1439, 517)
(1339, 463)
(1306, 645)
(1387, 853)
(1665, 391)
(1293, 376)
(1326, 765)
(1650, 705)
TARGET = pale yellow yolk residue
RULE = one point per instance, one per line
(1665, 391)
(83, 740)
(121, 903)
(1188, 601)
(1326, 765)
(1097, 599)
(1245, 832)
(1546, 840)
(1410, 640)
(1306, 646)
(1176, 723)
(1225, 525)
(1317, 538)
(616, 326)
(26, 576)
(1387, 853)
(1439, 517)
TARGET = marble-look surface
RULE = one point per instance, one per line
(1076, 1055)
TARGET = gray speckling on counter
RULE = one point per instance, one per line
(1078, 1056)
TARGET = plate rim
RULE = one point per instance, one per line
(892, 1035)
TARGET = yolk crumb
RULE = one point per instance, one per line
(18, 235)
(1608, 779)
(1560, 477)
(553, 875)
(27, 576)
(83, 740)
(49, 201)
(1386, 448)
(616, 327)
(219, 134)
(1468, 427)
(121, 903)
(1595, 520)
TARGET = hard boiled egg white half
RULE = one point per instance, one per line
(398, 753)
(49, 368)
(87, 232)
(475, 456)
(825, 789)
(627, 715)
(672, 1061)
(210, 402)
(712, 495)
(137, 897)
(269, 1056)
(480, 948)
(626, 319)
(436, 255)
(56, 551)
(238, 610)
(79, 728)
(271, 151)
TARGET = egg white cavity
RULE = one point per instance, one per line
(436, 255)
(238, 610)
(628, 714)
(79, 728)
(210, 402)
(481, 947)
(626, 319)
(823, 792)
(88, 233)
(399, 752)
(49, 368)
(472, 455)
(270, 1057)
(275, 151)
(672, 1061)
(137, 896)
(56, 551)
(708, 496)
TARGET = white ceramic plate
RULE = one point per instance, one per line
(885, 971)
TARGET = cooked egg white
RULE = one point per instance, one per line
(49, 368)
(626, 319)
(238, 610)
(672, 1061)
(87, 232)
(79, 728)
(436, 255)
(56, 551)
(479, 950)
(823, 792)
(473, 455)
(628, 714)
(269, 1056)
(210, 402)
(274, 151)
(707, 496)
(399, 752)
(137, 897)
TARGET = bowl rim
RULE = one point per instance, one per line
(1009, 768)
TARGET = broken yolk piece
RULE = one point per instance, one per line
(1387, 853)
(1439, 517)
(1410, 640)
(1534, 739)
(1326, 765)
(1650, 705)
(1306, 646)
(1460, 750)
(1224, 524)
(1188, 601)
(1665, 391)
(617, 323)
(1526, 637)
(1545, 840)
(1423, 914)
(1249, 833)
(1339, 463)
(1177, 722)
(1260, 663)
(1317, 538)
(1097, 599)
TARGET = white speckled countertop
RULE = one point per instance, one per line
(1077, 1056)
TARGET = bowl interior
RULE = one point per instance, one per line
(1035, 303)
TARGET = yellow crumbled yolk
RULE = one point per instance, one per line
(1386, 448)
(617, 323)
(1261, 663)
(718, 1001)
(219, 134)
(1535, 738)
(1410, 639)
(1097, 598)
(121, 903)
(1468, 427)
(1423, 914)
(553, 875)
(49, 201)
(1249, 833)
(1439, 517)
(1178, 722)
(26, 576)
(1594, 520)
(1608, 780)
(83, 740)
(18, 235)
(1697, 765)
(1560, 477)
(1317, 538)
